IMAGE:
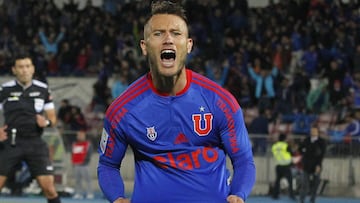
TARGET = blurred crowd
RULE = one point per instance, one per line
(291, 57)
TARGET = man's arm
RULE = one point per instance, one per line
(49, 120)
(240, 154)
(3, 133)
(110, 181)
(111, 150)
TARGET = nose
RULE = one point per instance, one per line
(168, 38)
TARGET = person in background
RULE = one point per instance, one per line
(346, 140)
(28, 108)
(119, 85)
(81, 156)
(180, 125)
(283, 157)
(318, 99)
(264, 84)
(312, 149)
(259, 129)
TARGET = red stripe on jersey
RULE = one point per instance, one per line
(136, 89)
(209, 84)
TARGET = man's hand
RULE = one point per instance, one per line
(234, 199)
(3, 133)
(121, 200)
(41, 121)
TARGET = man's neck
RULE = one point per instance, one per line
(170, 85)
(24, 85)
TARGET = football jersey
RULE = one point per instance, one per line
(20, 105)
(180, 143)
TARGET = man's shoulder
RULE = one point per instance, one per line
(38, 83)
(11, 83)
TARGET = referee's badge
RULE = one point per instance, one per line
(151, 133)
(38, 105)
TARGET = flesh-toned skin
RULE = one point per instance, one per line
(167, 32)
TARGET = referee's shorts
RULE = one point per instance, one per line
(34, 151)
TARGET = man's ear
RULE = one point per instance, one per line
(189, 45)
(13, 70)
(143, 47)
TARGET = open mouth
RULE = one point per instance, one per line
(168, 58)
(168, 55)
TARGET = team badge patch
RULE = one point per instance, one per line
(202, 127)
(151, 133)
(38, 104)
(103, 141)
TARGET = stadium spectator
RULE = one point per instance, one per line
(300, 88)
(259, 128)
(301, 121)
(318, 99)
(101, 94)
(349, 134)
(66, 59)
(52, 42)
(217, 72)
(264, 80)
(80, 158)
(119, 85)
(309, 61)
(64, 113)
(284, 100)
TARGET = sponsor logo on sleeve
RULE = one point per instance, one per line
(103, 141)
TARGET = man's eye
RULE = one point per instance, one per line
(157, 33)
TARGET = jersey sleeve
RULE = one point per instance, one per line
(237, 145)
(111, 150)
(49, 104)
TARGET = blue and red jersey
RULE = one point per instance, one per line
(180, 144)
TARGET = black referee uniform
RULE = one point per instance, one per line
(24, 142)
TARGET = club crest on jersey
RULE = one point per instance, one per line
(151, 133)
(202, 130)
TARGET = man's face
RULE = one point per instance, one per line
(166, 44)
(23, 70)
(314, 132)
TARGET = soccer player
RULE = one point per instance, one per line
(28, 109)
(179, 124)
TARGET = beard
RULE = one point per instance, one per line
(164, 83)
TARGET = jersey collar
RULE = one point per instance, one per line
(188, 82)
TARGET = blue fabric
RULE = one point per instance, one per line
(301, 122)
(179, 142)
(268, 80)
(51, 47)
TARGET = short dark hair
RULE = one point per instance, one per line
(20, 56)
(167, 7)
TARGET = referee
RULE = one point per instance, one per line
(28, 109)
